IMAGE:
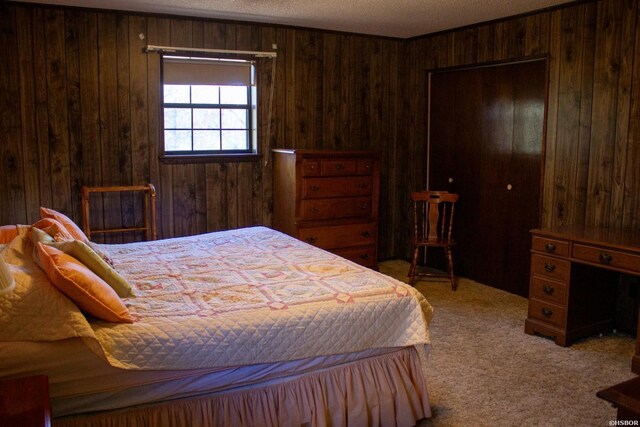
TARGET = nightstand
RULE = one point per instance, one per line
(626, 397)
(24, 402)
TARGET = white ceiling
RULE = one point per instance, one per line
(393, 18)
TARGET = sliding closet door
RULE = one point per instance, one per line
(486, 129)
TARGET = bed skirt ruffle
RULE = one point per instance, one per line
(386, 390)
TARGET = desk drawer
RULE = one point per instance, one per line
(348, 207)
(550, 246)
(549, 290)
(605, 257)
(553, 268)
(316, 188)
(546, 312)
(340, 236)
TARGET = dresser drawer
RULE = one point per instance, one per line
(546, 312)
(340, 236)
(549, 290)
(554, 268)
(365, 166)
(550, 246)
(348, 207)
(311, 168)
(365, 255)
(606, 257)
(339, 167)
(316, 188)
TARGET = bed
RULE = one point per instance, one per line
(241, 327)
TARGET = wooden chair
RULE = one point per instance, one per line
(433, 218)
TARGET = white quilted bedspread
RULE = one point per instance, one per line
(249, 296)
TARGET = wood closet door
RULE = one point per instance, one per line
(486, 133)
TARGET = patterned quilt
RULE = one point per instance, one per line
(249, 296)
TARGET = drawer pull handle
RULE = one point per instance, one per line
(363, 186)
(365, 234)
(315, 188)
(314, 210)
(549, 267)
(605, 258)
(339, 166)
(364, 206)
(311, 239)
(548, 289)
(550, 247)
(364, 256)
(546, 312)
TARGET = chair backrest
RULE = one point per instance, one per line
(433, 215)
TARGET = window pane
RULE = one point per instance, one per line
(177, 140)
(234, 119)
(177, 118)
(208, 118)
(233, 95)
(205, 94)
(206, 140)
(234, 140)
(176, 94)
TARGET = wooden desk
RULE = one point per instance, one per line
(25, 402)
(574, 275)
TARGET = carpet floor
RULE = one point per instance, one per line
(485, 371)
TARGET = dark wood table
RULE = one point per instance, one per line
(626, 397)
(24, 402)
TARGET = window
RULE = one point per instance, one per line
(209, 107)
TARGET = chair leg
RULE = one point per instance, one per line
(412, 269)
(451, 275)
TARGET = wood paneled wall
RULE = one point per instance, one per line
(592, 157)
(79, 105)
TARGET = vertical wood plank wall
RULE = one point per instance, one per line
(592, 157)
(79, 105)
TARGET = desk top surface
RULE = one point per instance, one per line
(628, 240)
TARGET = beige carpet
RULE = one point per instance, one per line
(485, 371)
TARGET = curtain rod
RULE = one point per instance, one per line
(173, 49)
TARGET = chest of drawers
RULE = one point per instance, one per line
(329, 199)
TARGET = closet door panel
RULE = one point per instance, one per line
(486, 135)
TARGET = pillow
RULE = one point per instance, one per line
(8, 233)
(82, 286)
(54, 228)
(71, 226)
(7, 283)
(83, 253)
(100, 253)
(38, 235)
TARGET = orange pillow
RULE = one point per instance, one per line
(92, 294)
(54, 228)
(8, 233)
(71, 226)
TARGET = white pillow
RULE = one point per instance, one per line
(7, 284)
